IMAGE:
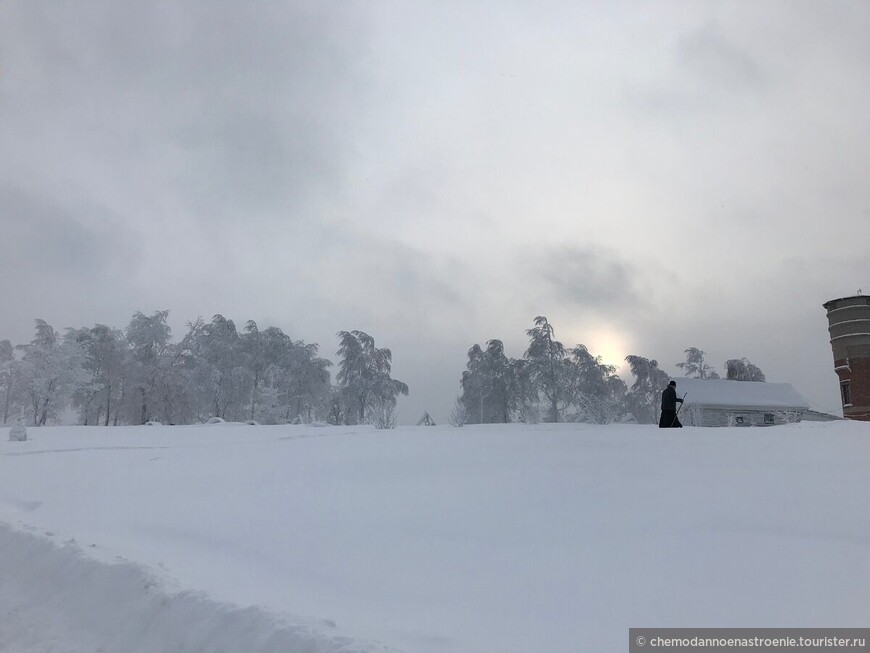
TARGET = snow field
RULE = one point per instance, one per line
(427, 539)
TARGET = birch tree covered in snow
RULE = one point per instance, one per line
(364, 379)
(218, 367)
(10, 379)
(644, 397)
(148, 342)
(596, 391)
(696, 365)
(547, 366)
(51, 369)
(288, 380)
(489, 384)
(740, 369)
(308, 380)
(105, 353)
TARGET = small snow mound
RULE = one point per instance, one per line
(216, 420)
(152, 422)
(425, 420)
(17, 434)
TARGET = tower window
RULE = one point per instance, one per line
(847, 393)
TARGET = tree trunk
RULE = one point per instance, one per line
(6, 403)
(143, 417)
(254, 393)
(108, 403)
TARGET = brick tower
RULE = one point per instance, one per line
(849, 326)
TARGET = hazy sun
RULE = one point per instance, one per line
(609, 343)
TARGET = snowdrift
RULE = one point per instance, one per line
(512, 538)
(55, 599)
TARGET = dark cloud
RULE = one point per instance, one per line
(41, 235)
(591, 277)
(59, 267)
(712, 59)
(240, 110)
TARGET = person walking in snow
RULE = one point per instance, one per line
(669, 407)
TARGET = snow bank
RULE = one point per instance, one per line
(53, 598)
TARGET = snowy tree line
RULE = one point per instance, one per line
(135, 375)
(555, 383)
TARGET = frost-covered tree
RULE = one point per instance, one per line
(172, 400)
(696, 366)
(740, 369)
(148, 348)
(547, 366)
(595, 390)
(267, 354)
(138, 374)
(10, 380)
(474, 388)
(290, 382)
(496, 388)
(51, 370)
(219, 368)
(525, 393)
(501, 373)
(105, 353)
(458, 414)
(644, 397)
(367, 388)
(489, 384)
(308, 381)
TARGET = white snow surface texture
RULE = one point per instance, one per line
(509, 538)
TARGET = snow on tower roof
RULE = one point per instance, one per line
(719, 392)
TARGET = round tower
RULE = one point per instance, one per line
(849, 326)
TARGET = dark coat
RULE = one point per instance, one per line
(670, 398)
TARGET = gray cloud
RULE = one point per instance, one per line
(712, 59)
(40, 235)
(591, 277)
(57, 267)
(241, 111)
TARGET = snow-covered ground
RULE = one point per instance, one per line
(511, 538)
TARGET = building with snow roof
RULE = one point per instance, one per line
(849, 326)
(717, 402)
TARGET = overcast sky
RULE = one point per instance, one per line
(648, 175)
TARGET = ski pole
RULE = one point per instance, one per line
(677, 414)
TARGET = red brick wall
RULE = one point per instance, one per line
(858, 376)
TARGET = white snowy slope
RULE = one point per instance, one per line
(510, 538)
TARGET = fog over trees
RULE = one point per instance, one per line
(553, 383)
(111, 376)
(138, 374)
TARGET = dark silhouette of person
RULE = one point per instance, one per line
(669, 407)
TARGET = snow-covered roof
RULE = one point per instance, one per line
(745, 394)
